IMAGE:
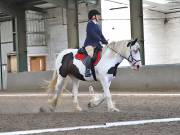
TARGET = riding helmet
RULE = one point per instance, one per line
(92, 13)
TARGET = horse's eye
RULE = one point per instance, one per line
(135, 51)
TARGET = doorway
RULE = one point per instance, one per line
(37, 63)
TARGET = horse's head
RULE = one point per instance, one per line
(133, 54)
(128, 49)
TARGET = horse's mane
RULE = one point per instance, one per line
(118, 46)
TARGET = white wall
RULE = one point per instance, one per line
(155, 38)
(116, 23)
(161, 40)
(172, 28)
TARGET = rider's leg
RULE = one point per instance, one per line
(88, 63)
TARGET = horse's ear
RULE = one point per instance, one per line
(129, 43)
(134, 41)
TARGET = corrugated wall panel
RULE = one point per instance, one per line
(6, 40)
(35, 29)
(6, 47)
(6, 31)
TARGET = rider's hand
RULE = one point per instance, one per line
(105, 42)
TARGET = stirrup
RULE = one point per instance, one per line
(88, 73)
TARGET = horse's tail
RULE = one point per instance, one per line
(52, 83)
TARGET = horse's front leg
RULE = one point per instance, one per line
(96, 100)
(105, 82)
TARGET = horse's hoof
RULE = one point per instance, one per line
(42, 110)
(53, 102)
(79, 109)
(90, 105)
(52, 109)
(52, 106)
(113, 109)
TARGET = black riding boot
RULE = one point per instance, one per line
(87, 62)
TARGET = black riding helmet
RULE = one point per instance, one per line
(92, 13)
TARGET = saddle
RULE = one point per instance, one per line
(81, 55)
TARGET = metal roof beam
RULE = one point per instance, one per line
(60, 3)
(35, 9)
(33, 2)
(10, 9)
(7, 18)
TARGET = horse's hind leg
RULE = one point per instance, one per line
(75, 93)
(58, 90)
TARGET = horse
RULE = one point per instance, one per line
(67, 65)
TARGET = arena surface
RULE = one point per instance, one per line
(23, 112)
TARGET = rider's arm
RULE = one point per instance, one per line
(91, 31)
(103, 40)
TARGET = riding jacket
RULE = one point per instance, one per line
(94, 35)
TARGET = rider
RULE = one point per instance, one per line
(94, 38)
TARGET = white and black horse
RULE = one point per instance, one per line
(105, 70)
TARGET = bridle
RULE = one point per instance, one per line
(130, 58)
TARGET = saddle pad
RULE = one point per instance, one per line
(81, 56)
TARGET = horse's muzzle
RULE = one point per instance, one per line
(136, 67)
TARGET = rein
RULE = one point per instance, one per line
(118, 53)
